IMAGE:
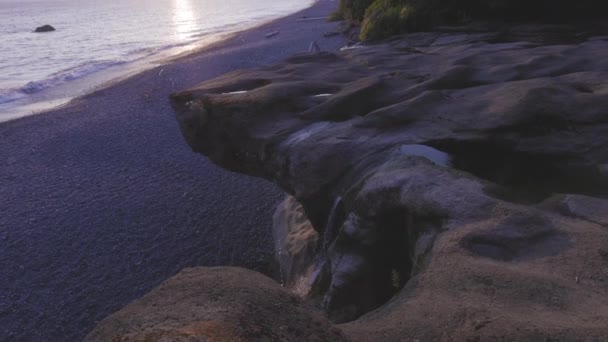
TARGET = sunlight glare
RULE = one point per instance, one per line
(184, 20)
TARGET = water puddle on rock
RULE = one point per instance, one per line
(306, 133)
(435, 156)
(352, 47)
(522, 177)
(235, 92)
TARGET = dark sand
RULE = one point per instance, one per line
(102, 199)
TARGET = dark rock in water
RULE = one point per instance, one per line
(296, 243)
(422, 162)
(45, 28)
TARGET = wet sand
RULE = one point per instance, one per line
(102, 199)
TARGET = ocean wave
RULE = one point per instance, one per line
(10, 95)
(80, 71)
(145, 52)
(68, 75)
(149, 51)
(17, 30)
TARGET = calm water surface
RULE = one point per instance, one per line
(97, 41)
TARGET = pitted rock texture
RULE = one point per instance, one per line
(216, 304)
(429, 165)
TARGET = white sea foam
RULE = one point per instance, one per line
(108, 37)
(10, 95)
(68, 75)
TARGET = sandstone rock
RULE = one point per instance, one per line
(45, 28)
(216, 304)
(584, 207)
(421, 162)
(296, 243)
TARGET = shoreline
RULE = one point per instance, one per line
(107, 78)
(104, 200)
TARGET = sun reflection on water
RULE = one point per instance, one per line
(184, 20)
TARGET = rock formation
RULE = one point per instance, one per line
(216, 304)
(458, 182)
(45, 28)
(296, 244)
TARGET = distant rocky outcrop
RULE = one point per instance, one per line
(458, 182)
(45, 28)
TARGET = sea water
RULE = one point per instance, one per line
(97, 41)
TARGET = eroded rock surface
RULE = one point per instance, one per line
(216, 304)
(296, 244)
(432, 161)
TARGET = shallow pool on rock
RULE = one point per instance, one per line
(433, 155)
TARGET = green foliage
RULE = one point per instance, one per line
(336, 15)
(383, 18)
(352, 10)
(395, 280)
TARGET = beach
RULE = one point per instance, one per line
(94, 43)
(102, 199)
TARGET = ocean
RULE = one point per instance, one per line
(98, 41)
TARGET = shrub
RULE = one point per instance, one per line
(383, 18)
(352, 10)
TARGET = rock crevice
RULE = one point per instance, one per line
(438, 149)
(427, 176)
